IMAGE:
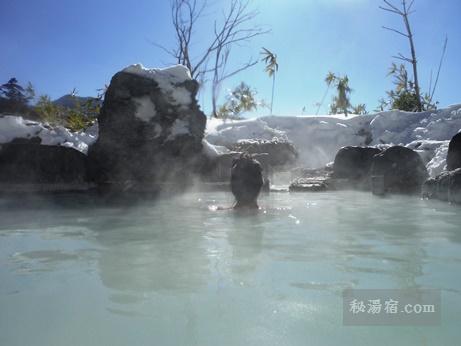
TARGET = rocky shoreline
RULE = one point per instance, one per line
(151, 140)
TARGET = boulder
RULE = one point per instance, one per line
(454, 187)
(150, 128)
(310, 180)
(445, 187)
(278, 152)
(454, 153)
(354, 163)
(308, 185)
(399, 170)
(27, 162)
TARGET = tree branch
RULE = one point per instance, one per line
(394, 30)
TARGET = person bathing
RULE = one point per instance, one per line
(246, 182)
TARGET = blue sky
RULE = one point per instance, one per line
(59, 45)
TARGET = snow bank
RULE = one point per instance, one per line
(12, 127)
(438, 163)
(212, 151)
(169, 80)
(318, 138)
(227, 133)
(404, 127)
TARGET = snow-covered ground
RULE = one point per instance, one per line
(318, 138)
(12, 127)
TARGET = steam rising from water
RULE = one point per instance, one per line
(171, 271)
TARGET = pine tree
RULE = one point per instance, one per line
(14, 98)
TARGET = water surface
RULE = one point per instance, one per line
(173, 272)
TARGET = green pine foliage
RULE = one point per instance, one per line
(76, 118)
(83, 115)
(48, 112)
(14, 98)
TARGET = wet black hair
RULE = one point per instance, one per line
(246, 181)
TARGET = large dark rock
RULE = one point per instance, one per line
(27, 162)
(454, 187)
(310, 180)
(445, 187)
(308, 185)
(399, 170)
(150, 128)
(354, 162)
(454, 153)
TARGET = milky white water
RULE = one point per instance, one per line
(172, 272)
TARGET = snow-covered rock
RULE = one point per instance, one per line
(12, 127)
(433, 154)
(273, 153)
(228, 133)
(168, 80)
(150, 128)
(212, 151)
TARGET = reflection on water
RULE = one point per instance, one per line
(175, 272)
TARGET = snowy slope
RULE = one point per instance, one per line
(318, 138)
(12, 127)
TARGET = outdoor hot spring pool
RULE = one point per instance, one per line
(174, 272)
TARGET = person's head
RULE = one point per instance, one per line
(246, 181)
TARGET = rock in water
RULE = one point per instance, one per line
(308, 185)
(27, 162)
(354, 162)
(454, 153)
(401, 169)
(445, 187)
(454, 195)
(150, 128)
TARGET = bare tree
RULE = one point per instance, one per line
(184, 16)
(404, 11)
(234, 29)
(432, 91)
